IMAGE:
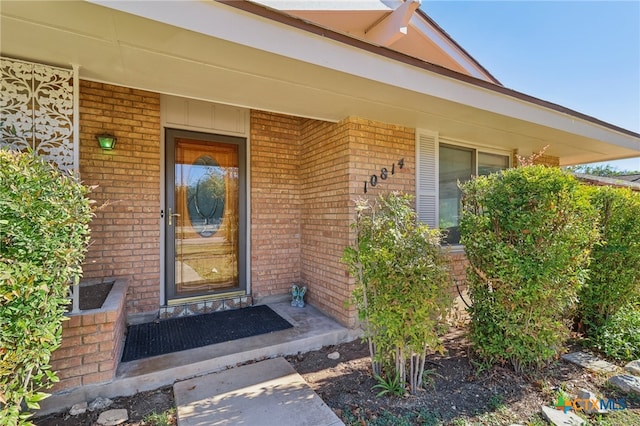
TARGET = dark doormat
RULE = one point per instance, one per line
(179, 334)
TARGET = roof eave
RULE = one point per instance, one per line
(427, 18)
(310, 27)
(320, 75)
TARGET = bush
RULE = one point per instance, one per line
(527, 234)
(402, 287)
(44, 218)
(619, 335)
(614, 278)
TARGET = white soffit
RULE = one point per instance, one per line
(448, 47)
(221, 21)
(335, 14)
(219, 60)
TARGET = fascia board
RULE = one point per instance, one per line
(333, 5)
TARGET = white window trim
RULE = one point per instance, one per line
(487, 149)
(429, 141)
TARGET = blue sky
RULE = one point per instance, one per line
(584, 55)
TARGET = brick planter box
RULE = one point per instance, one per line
(92, 343)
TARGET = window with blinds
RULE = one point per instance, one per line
(441, 166)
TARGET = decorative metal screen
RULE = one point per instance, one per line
(36, 110)
(37, 114)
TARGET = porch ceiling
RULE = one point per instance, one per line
(234, 57)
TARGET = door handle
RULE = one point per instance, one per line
(171, 215)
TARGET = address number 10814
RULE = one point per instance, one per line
(384, 175)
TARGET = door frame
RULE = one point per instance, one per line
(168, 180)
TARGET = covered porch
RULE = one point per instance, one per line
(311, 330)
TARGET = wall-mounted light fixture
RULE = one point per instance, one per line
(107, 142)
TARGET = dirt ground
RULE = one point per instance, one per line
(93, 296)
(140, 407)
(457, 393)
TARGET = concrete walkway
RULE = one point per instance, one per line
(311, 330)
(265, 393)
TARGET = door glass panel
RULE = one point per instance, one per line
(206, 217)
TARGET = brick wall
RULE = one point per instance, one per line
(336, 160)
(538, 158)
(324, 172)
(275, 203)
(126, 233)
(458, 261)
(459, 289)
(548, 160)
(92, 343)
(305, 176)
(374, 145)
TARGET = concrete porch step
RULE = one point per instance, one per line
(311, 330)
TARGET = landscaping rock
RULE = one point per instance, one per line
(113, 417)
(590, 362)
(589, 402)
(100, 403)
(626, 383)
(633, 367)
(560, 418)
(79, 408)
(333, 355)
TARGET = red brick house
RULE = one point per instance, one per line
(244, 133)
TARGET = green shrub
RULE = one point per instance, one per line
(614, 277)
(619, 335)
(402, 286)
(390, 386)
(527, 234)
(44, 218)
